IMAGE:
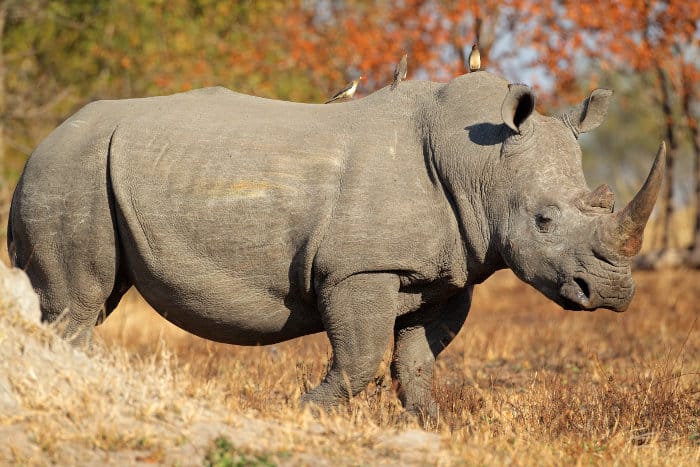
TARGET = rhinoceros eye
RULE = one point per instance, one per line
(544, 220)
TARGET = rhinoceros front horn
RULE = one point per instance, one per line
(626, 227)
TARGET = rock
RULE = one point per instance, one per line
(16, 293)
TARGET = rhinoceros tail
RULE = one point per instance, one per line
(11, 249)
(121, 283)
(17, 258)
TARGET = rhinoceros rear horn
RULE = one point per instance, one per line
(627, 226)
(517, 106)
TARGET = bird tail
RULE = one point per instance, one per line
(394, 84)
(330, 100)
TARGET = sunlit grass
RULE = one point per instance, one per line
(523, 378)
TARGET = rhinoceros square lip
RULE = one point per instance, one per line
(570, 305)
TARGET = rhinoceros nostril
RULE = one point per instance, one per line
(576, 294)
(584, 288)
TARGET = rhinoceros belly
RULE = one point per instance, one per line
(222, 242)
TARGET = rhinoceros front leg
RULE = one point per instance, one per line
(358, 315)
(416, 345)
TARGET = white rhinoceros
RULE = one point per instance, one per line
(251, 221)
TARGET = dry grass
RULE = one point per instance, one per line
(524, 382)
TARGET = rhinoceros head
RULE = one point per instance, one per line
(552, 231)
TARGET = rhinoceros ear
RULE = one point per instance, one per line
(589, 114)
(517, 106)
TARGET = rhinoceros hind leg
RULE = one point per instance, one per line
(73, 304)
(76, 302)
(76, 277)
(358, 315)
(415, 347)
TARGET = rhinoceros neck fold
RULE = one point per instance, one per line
(464, 182)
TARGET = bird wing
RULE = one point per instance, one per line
(399, 72)
(342, 91)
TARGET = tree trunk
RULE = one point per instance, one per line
(696, 148)
(694, 258)
(667, 191)
(694, 134)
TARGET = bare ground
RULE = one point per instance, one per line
(524, 383)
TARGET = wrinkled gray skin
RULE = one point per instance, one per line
(253, 221)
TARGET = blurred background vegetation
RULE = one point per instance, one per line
(58, 55)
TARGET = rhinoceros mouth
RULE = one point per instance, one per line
(576, 294)
(570, 305)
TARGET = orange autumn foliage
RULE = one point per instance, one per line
(353, 38)
(630, 36)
